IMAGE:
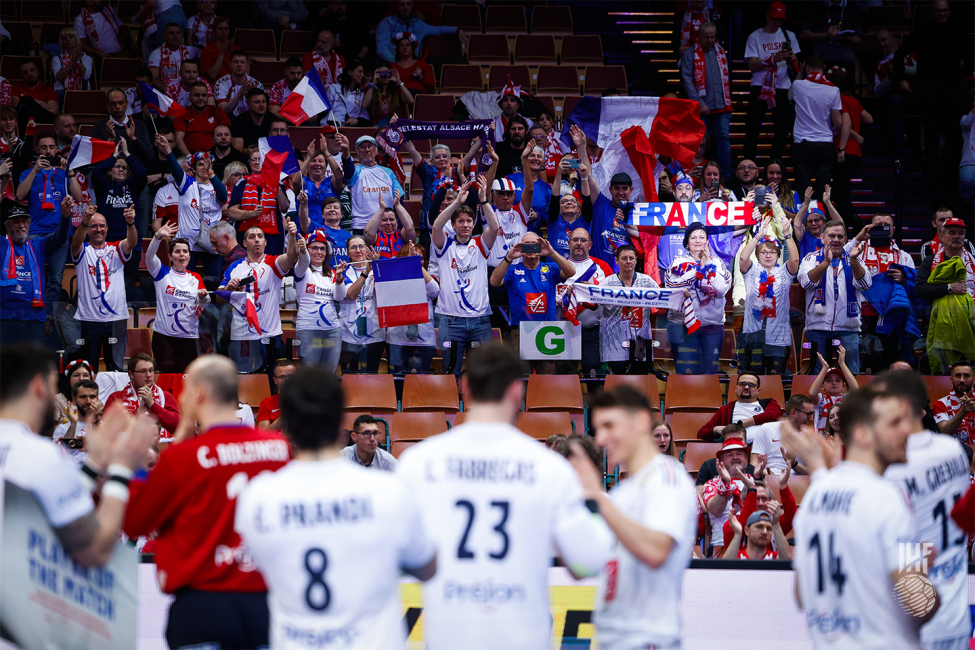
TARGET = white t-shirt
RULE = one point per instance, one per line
(225, 88)
(813, 103)
(41, 466)
(426, 334)
(497, 503)
(463, 278)
(364, 306)
(96, 301)
(268, 303)
(848, 534)
(935, 476)
(169, 67)
(178, 304)
(316, 297)
(365, 187)
(78, 456)
(512, 226)
(637, 606)
(762, 45)
(245, 415)
(330, 539)
(108, 40)
(166, 196)
(198, 208)
(777, 328)
(766, 439)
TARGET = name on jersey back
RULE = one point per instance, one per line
(938, 475)
(488, 470)
(833, 501)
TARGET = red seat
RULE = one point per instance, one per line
(301, 136)
(252, 389)
(534, 49)
(296, 43)
(646, 384)
(442, 45)
(505, 19)
(498, 77)
(582, 50)
(697, 393)
(353, 133)
(542, 425)
(460, 79)
(771, 387)
(801, 385)
(119, 72)
(554, 393)
(697, 453)
(399, 446)
(10, 68)
(51, 33)
(685, 425)
(568, 105)
(37, 11)
(602, 77)
(430, 393)
(20, 32)
(938, 386)
(85, 101)
(369, 393)
(552, 19)
(414, 208)
(146, 316)
(137, 339)
(416, 425)
(434, 108)
(488, 48)
(267, 72)
(8, 11)
(257, 42)
(467, 17)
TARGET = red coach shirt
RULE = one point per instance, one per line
(269, 409)
(190, 497)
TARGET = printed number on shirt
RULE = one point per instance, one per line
(464, 553)
(835, 568)
(317, 594)
(941, 512)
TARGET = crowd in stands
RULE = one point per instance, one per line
(180, 220)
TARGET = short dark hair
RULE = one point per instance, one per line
(330, 200)
(179, 240)
(254, 92)
(24, 61)
(906, 385)
(491, 369)
(856, 409)
(624, 248)
(168, 25)
(47, 135)
(143, 72)
(311, 406)
(164, 129)
(293, 62)
(19, 364)
(365, 418)
(85, 383)
(190, 62)
(941, 207)
(758, 380)
(815, 62)
(464, 209)
(797, 401)
(731, 429)
(969, 452)
(287, 124)
(199, 83)
(961, 364)
(238, 52)
(624, 397)
(284, 363)
(137, 357)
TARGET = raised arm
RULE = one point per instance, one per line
(287, 261)
(745, 261)
(817, 385)
(371, 230)
(131, 233)
(799, 223)
(490, 232)
(493, 169)
(579, 140)
(436, 233)
(153, 264)
(407, 227)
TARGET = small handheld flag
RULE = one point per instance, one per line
(243, 304)
(157, 100)
(307, 100)
(88, 151)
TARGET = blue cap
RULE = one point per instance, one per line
(365, 138)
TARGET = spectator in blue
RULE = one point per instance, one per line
(44, 186)
(531, 285)
(811, 220)
(338, 239)
(22, 257)
(543, 191)
(608, 220)
(404, 21)
(436, 174)
(565, 213)
(118, 183)
(322, 176)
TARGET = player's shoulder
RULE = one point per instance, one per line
(30, 448)
(929, 445)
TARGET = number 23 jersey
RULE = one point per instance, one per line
(330, 539)
(848, 534)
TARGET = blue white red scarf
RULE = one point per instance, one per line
(10, 279)
(765, 305)
(819, 300)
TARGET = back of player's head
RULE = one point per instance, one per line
(19, 364)
(906, 385)
(311, 406)
(624, 397)
(491, 369)
(218, 375)
(856, 410)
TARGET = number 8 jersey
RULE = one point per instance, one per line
(849, 533)
(331, 538)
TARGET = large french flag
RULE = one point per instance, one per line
(88, 151)
(307, 100)
(157, 100)
(401, 295)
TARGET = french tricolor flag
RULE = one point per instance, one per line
(401, 295)
(307, 100)
(157, 100)
(243, 304)
(88, 151)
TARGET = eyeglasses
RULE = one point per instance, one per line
(150, 371)
(808, 414)
(747, 384)
(236, 173)
(317, 249)
(579, 240)
(368, 434)
(749, 168)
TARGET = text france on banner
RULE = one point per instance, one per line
(598, 294)
(681, 215)
(51, 602)
(393, 137)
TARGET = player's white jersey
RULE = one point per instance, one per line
(497, 502)
(848, 534)
(330, 539)
(637, 606)
(463, 278)
(934, 477)
(40, 466)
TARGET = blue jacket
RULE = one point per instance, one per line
(893, 302)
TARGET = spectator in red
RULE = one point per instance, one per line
(747, 410)
(5, 92)
(830, 386)
(293, 72)
(142, 395)
(382, 233)
(189, 500)
(848, 151)
(215, 57)
(33, 98)
(194, 129)
(179, 89)
(696, 14)
(761, 527)
(269, 412)
(414, 73)
(759, 497)
(955, 412)
(939, 217)
(165, 60)
(722, 495)
(329, 64)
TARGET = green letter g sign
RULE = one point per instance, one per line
(550, 340)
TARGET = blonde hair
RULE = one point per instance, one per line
(232, 167)
(67, 30)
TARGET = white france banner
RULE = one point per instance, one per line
(550, 340)
(599, 294)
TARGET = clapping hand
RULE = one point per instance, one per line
(808, 194)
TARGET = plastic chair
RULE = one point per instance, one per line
(267, 72)
(505, 19)
(296, 43)
(696, 393)
(369, 393)
(433, 108)
(582, 50)
(542, 425)
(436, 393)
(400, 446)
(38, 11)
(801, 385)
(146, 316)
(257, 42)
(10, 68)
(552, 19)
(84, 101)
(460, 79)
(686, 425)
(938, 386)
(599, 78)
(798, 485)
(520, 76)
(443, 45)
(9, 11)
(557, 80)
(301, 136)
(771, 387)
(646, 384)
(119, 72)
(416, 426)
(20, 32)
(554, 393)
(698, 452)
(252, 389)
(137, 340)
(353, 133)
(488, 48)
(535, 49)
(466, 17)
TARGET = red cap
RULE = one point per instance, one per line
(328, 129)
(776, 10)
(729, 444)
(955, 221)
(834, 371)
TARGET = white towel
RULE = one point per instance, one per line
(481, 106)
